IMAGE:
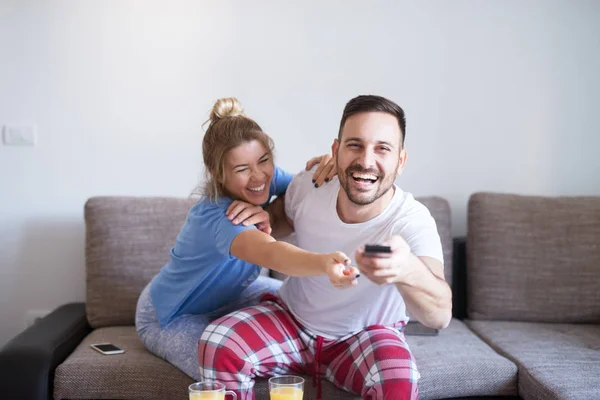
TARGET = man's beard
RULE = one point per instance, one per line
(381, 186)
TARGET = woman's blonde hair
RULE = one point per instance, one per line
(228, 128)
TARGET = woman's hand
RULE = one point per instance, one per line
(326, 169)
(240, 212)
(341, 274)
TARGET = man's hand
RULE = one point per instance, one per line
(420, 281)
(325, 171)
(240, 212)
(384, 269)
(334, 265)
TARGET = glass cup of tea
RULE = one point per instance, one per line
(209, 391)
(286, 387)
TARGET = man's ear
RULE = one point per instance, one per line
(335, 147)
(402, 161)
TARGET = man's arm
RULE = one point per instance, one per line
(281, 225)
(420, 281)
(427, 295)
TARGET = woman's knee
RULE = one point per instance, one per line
(176, 341)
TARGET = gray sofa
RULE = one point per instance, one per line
(533, 268)
(531, 287)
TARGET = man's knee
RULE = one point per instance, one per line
(215, 338)
(226, 349)
(383, 338)
(392, 371)
(390, 355)
(225, 339)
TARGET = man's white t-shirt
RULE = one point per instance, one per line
(334, 313)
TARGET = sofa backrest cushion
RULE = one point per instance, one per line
(440, 211)
(533, 258)
(127, 242)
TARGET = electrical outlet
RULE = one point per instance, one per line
(20, 135)
(32, 316)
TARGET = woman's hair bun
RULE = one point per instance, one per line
(225, 108)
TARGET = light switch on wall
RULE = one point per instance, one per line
(20, 135)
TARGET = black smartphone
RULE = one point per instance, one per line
(376, 250)
(418, 329)
(107, 348)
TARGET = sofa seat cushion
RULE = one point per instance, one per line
(138, 374)
(457, 363)
(556, 361)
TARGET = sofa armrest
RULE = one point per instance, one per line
(28, 361)
(459, 278)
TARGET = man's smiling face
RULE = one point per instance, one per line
(369, 156)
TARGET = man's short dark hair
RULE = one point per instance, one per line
(370, 103)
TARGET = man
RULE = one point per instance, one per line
(352, 337)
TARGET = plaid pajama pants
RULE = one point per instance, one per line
(266, 340)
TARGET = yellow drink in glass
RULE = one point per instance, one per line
(207, 396)
(286, 387)
(286, 393)
(209, 391)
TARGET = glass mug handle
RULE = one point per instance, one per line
(232, 394)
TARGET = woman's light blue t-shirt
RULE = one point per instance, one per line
(202, 275)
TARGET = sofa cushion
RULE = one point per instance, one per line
(533, 258)
(556, 361)
(127, 243)
(455, 363)
(137, 374)
(458, 363)
(440, 211)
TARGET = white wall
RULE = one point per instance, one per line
(499, 95)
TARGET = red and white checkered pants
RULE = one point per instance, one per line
(266, 340)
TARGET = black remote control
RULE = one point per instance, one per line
(376, 248)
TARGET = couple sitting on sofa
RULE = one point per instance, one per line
(209, 312)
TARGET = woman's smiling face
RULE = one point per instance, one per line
(248, 172)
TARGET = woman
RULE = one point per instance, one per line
(215, 263)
